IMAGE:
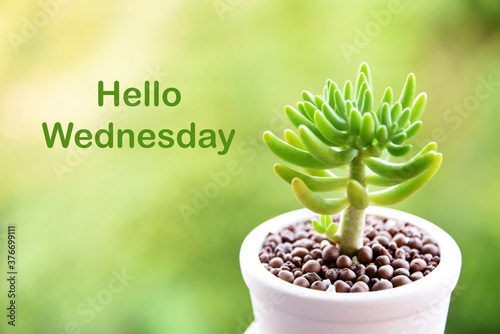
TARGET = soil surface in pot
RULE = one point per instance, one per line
(395, 253)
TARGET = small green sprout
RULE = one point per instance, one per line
(345, 127)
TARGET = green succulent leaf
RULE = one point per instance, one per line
(404, 118)
(367, 133)
(292, 154)
(393, 129)
(398, 138)
(413, 129)
(395, 112)
(293, 139)
(359, 82)
(377, 180)
(417, 165)
(361, 94)
(316, 203)
(314, 183)
(367, 102)
(336, 120)
(355, 121)
(408, 93)
(382, 134)
(398, 150)
(340, 104)
(298, 119)
(318, 227)
(365, 69)
(324, 153)
(385, 115)
(331, 94)
(319, 172)
(404, 190)
(357, 195)
(326, 220)
(348, 90)
(301, 108)
(418, 107)
(308, 96)
(331, 230)
(310, 110)
(318, 101)
(337, 137)
(373, 150)
(386, 98)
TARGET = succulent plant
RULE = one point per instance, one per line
(345, 128)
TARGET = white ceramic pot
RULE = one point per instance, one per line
(281, 307)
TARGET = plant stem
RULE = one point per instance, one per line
(353, 221)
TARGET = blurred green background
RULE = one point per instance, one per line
(236, 63)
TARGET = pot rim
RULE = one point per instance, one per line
(255, 275)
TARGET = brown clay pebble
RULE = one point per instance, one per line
(331, 274)
(297, 273)
(287, 235)
(400, 280)
(324, 269)
(402, 271)
(300, 252)
(385, 252)
(416, 276)
(399, 253)
(341, 286)
(382, 260)
(427, 257)
(371, 270)
(347, 274)
(400, 239)
(365, 255)
(360, 287)
(307, 258)
(276, 262)
(318, 285)
(415, 243)
(360, 270)
(311, 266)
(297, 261)
(382, 285)
(376, 247)
(400, 263)
(285, 267)
(344, 261)
(285, 275)
(275, 271)
(428, 240)
(386, 271)
(316, 253)
(430, 249)
(301, 281)
(330, 254)
(383, 240)
(418, 265)
(363, 278)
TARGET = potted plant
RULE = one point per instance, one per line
(304, 267)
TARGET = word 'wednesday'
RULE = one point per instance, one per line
(146, 138)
